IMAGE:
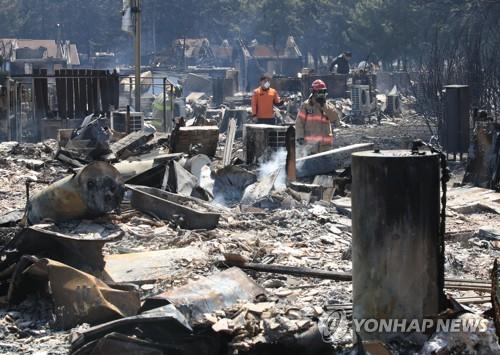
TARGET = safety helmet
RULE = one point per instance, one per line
(318, 85)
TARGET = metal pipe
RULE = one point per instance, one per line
(172, 114)
(164, 123)
(137, 11)
(95, 190)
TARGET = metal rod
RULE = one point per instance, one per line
(463, 300)
(292, 270)
(164, 123)
(137, 11)
(172, 116)
(480, 285)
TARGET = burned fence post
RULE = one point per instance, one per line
(395, 247)
(291, 166)
(228, 147)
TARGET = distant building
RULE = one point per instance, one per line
(192, 51)
(251, 60)
(103, 60)
(22, 56)
(254, 59)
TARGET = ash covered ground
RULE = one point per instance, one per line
(316, 235)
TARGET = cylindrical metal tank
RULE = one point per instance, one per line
(395, 239)
(96, 189)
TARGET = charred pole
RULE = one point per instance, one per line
(137, 50)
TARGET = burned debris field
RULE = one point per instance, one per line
(274, 177)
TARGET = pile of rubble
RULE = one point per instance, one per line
(151, 245)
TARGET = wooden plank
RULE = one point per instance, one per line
(228, 148)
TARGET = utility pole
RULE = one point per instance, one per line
(137, 11)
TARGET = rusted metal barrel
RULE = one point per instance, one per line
(395, 239)
(96, 189)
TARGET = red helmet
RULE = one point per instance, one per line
(318, 85)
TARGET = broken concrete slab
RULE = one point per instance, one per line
(95, 190)
(149, 266)
(467, 199)
(208, 294)
(329, 161)
(187, 212)
(78, 297)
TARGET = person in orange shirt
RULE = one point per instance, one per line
(263, 99)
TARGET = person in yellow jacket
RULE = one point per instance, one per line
(263, 100)
(313, 130)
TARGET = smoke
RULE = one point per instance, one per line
(275, 163)
(302, 151)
